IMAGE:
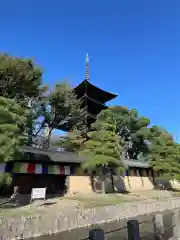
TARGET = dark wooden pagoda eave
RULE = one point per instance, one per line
(93, 106)
(93, 92)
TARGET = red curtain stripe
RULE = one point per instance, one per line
(62, 170)
(31, 168)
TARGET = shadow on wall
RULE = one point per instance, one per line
(112, 184)
(119, 185)
(162, 184)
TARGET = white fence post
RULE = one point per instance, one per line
(176, 224)
(159, 226)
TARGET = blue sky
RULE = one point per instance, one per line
(134, 48)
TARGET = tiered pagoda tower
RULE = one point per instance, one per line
(93, 98)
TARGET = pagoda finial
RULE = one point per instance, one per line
(87, 68)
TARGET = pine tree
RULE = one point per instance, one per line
(133, 130)
(12, 128)
(60, 108)
(12, 134)
(102, 149)
(164, 154)
(19, 78)
(73, 141)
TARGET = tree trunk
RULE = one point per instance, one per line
(49, 137)
(112, 180)
(103, 180)
(103, 187)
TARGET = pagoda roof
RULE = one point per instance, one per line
(93, 92)
(93, 107)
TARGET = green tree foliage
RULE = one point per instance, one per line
(103, 148)
(20, 83)
(5, 181)
(133, 131)
(73, 141)
(59, 109)
(137, 141)
(164, 154)
(19, 78)
(12, 128)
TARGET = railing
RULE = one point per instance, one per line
(132, 229)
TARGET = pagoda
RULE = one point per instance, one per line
(93, 98)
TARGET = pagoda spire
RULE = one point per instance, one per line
(87, 68)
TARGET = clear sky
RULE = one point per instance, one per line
(134, 48)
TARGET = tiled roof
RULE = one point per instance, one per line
(135, 163)
(55, 155)
(70, 157)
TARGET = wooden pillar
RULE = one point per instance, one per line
(133, 230)
(96, 234)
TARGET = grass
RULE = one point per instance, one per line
(84, 200)
(100, 200)
(19, 212)
(176, 194)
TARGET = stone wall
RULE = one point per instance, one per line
(51, 224)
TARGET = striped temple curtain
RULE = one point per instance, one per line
(31, 168)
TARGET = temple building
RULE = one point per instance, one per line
(57, 171)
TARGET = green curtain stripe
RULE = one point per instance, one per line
(53, 170)
(20, 168)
